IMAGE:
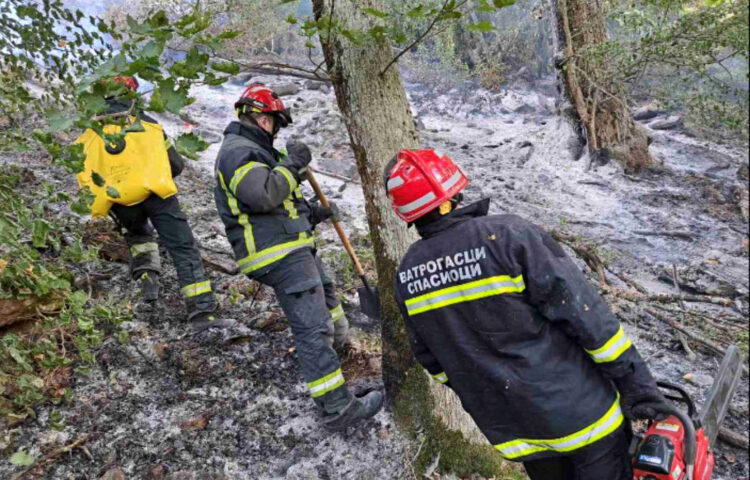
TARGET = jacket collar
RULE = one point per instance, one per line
(456, 217)
(252, 133)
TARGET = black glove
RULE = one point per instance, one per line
(319, 213)
(637, 390)
(297, 160)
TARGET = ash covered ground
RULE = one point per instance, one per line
(163, 406)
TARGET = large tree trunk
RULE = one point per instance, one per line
(379, 120)
(600, 104)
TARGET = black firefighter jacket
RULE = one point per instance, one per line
(264, 213)
(496, 309)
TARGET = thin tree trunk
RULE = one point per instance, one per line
(600, 104)
(379, 120)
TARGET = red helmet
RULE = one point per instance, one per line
(130, 82)
(420, 181)
(261, 99)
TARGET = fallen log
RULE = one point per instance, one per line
(733, 438)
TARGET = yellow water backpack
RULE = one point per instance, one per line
(135, 170)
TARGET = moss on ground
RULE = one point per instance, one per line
(414, 412)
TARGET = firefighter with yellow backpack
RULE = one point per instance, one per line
(136, 186)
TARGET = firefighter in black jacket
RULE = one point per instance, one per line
(270, 226)
(496, 310)
(174, 231)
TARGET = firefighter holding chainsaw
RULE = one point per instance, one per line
(137, 206)
(270, 226)
(497, 311)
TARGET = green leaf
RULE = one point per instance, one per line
(112, 192)
(228, 34)
(231, 68)
(60, 121)
(291, 19)
(152, 49)
(22, 459)
(97, 179)
(485, 26)
(82, 204)
(376, 13)
(172, 98)
(416, 12)
(20, 360)
(503, 3)
(39, 233)
(189, 144)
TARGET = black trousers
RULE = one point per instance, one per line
(606, 459)
(299, 282)
(174, 231)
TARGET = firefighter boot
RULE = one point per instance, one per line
(358, 409)
(205, 321)
(149, 283)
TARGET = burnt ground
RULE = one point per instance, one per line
(163, 406)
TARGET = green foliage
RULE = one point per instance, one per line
(36, 283)
(22, 459)
(690, 55)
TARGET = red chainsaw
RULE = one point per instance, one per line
(680, 446)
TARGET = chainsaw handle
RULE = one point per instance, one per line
(687, 424)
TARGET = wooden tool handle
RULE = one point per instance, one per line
(342, 235)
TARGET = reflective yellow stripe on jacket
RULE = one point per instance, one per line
(235, 209)
(518, 449)
(611, 350)
(466, 292)
(273, 254)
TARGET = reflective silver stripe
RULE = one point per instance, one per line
(611, 350)
(141, 248)
(418, 203)
(330, 382)
(452, 181)
(466, 292)
(395, 182)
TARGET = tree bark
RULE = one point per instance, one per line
(600, 104)
(380, 123)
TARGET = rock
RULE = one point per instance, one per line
(325, 88)
(241, 79)
(699, 379)
(185, 117)
(524, 108)
(742, 173)
(113, 474)
(156, 472)
(670, 123)
(646, 112)
(419, 123)
(287, 89)
(312, 85)
(208, 135)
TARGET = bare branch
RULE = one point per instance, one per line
(422, 36)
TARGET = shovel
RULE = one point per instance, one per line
(368, 296)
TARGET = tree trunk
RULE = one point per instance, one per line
(600, 104)
(379, 120)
